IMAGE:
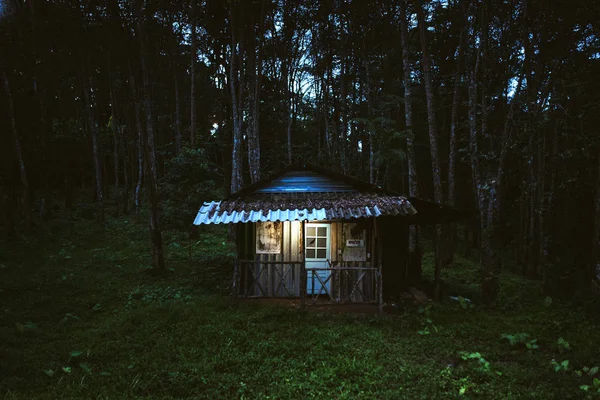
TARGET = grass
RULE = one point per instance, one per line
(82, 316)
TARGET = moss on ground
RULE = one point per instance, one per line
(82, 316)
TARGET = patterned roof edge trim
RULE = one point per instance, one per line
(211, 213)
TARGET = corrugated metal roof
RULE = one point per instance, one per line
(305, 181)
(306, 208)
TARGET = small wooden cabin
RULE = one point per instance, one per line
(312, 233)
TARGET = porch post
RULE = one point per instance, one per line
(303, 271)
(379, 269)
(236, 266)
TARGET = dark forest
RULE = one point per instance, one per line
(118, 119)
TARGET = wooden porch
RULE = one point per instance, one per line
(345, 282)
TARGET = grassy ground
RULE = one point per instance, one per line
(82, 317)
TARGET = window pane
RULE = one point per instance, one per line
(322, 231)
(310, 231)
(321, 253)
(310, 253)
(321, 242)
(310, 242)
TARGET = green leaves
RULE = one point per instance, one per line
(482, 364)
(85, 367)
(75, 353)
(562, 366)
(521, 338)
(563, 345)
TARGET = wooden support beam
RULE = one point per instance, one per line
(303, 271)
(236, 266)
(379, 258)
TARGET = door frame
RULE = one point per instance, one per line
(325, 276)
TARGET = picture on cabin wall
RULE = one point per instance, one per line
(268, 237)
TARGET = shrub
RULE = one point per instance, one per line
(189, 180)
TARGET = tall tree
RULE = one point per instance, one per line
(90, 106)
(194, 57)
(414, 248)
(18, 152)
(453, 144)
(236, 88)
(433, 141)
(253, 130)
(149, 142)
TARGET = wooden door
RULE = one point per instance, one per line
(318, 255)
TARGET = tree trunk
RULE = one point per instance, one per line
(137, 201)
(193, 79)
(7, 209)
(253, 131)
(126, 163)
(178, 137)
(433, 142)
(236, 104)
(148, 139)
(93, 127)
(116, 133)
(453, 145)
(414, 248)
(370, 117)
(19, 156)
(490, 262)
(595, 269)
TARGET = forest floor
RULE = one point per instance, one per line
(83, 316)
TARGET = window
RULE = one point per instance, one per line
(316, 242)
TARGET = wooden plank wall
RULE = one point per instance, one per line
(292, 250)
(270, 279)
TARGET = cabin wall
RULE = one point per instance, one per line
(274, 280)
(282, 280)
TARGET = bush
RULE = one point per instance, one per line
(189, 180)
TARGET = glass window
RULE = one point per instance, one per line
(310, 253)
(310, 231)
(310, 242)
(322, 242)
(322, 231)
(321, 253)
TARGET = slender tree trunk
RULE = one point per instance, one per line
(236, 104)
(137, 201)
(7, 203)
(433, 142)
(193, 79)
(18, 154)
(595, 269)
(453, 122)
(148, 138)
(89, 111)
(490, 262)
(414, 247)
(178, 138)
(548, 237)
(532, 187)
(116, 133)
(253, 132)
(453, 145)
(370, 117)
(290, 122)
(126, 164)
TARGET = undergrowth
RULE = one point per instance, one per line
(83, 317)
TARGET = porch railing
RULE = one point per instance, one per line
(270, 278)
(343, 282)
